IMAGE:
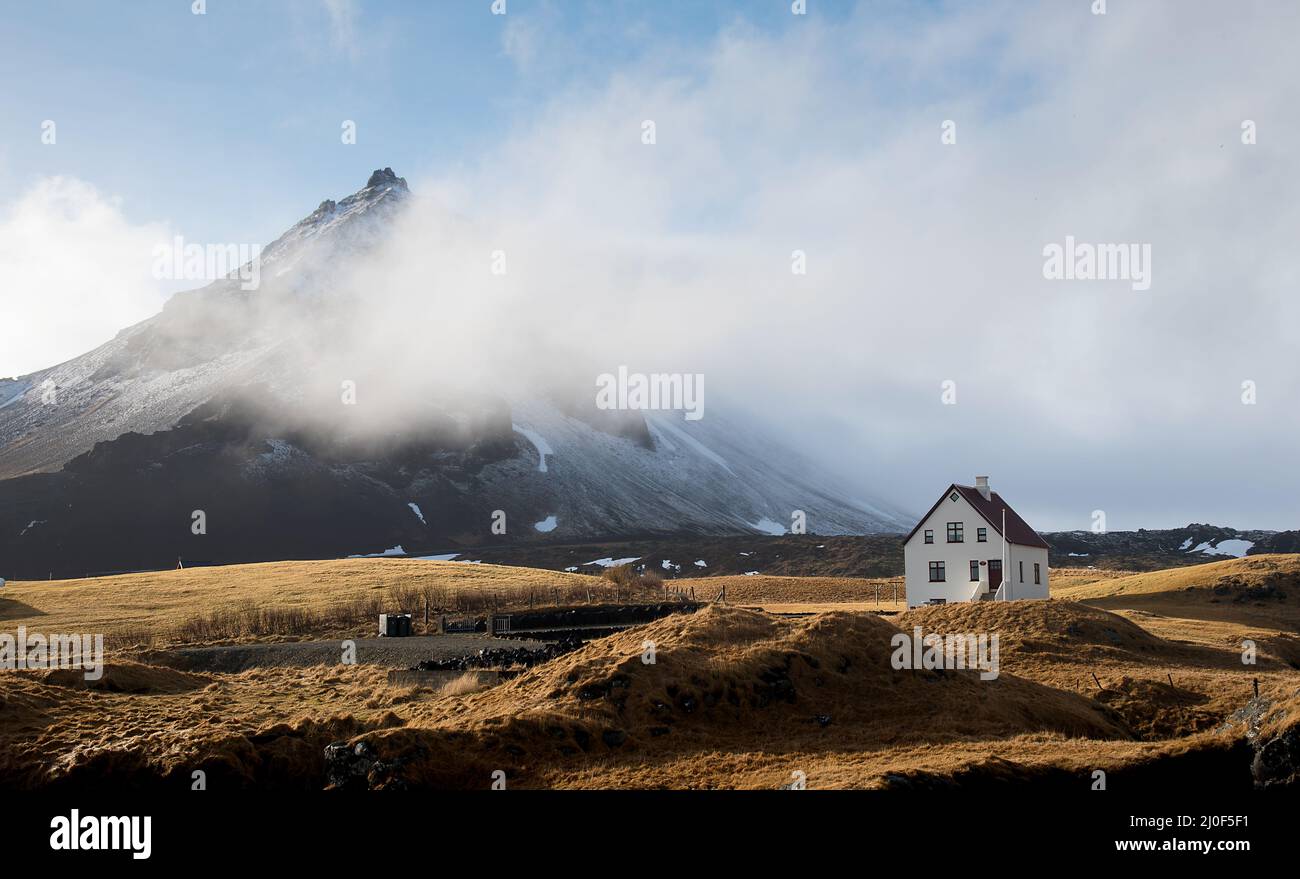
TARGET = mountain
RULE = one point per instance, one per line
(1152, 549)
(222, 415)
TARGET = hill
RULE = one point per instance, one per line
(734, 697)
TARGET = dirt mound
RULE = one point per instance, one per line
(1159, 709)
(1041, 627)
(724, 678)
(129, 677)
(153, 727)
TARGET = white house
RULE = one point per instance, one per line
(972, 546)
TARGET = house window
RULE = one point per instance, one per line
(1037, 574)
(955, 532)
(937, 574)
(982, 535)
(929, 535)
(974, 570)
(953, 497)
(1022, 571)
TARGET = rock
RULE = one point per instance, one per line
(1277, 760)
(358, 767)
(503, 657)
(385, 176)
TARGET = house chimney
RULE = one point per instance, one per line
(982, 486)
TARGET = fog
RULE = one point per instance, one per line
(924, 259)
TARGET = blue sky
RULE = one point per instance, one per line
(227, 125)
(776, 132)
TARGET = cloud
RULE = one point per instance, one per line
(519, 41)
(925, 261)
(75, 271)
(342, 23)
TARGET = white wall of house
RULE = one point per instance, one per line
(1023, 559)
(958, 585)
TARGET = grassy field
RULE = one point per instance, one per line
(332, 597)
(283, 598)
(1128, 674)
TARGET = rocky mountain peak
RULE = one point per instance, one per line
(386, 177)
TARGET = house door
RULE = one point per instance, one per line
(995, 574)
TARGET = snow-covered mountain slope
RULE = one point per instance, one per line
(715, 475)
(203, 342)
(212, 405)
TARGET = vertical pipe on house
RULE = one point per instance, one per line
(1006, 562)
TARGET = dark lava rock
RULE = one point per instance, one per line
(359, 768)
(1277, 760)
(613, 737)
(503, 657)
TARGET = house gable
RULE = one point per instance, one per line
(1018, 530)
(944, 511)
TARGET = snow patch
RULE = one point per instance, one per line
(415, 508)
(699, 563)
(699, 447)
(751, 573)
(543, 449)
(1187, 544)
(396, 550)
(767, 526)
(1233, 548)
(445, 557)
(547, 524)
(612, 563)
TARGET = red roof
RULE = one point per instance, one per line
(1018, 530)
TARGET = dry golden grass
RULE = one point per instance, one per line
(1162, 688)
(809, 607)
(1172, 580)
(1255, 590)
(469, 682)
(1063, 580)
(200, 605)
(732, 700)
(761, 589)
(154, 723)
